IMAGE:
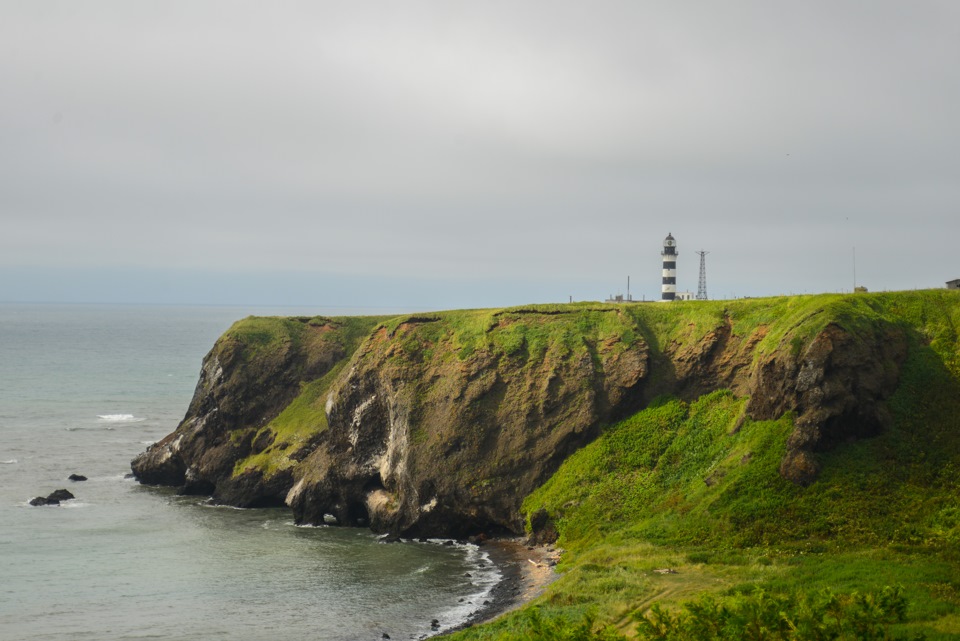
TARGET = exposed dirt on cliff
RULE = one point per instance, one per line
(424, 441)
(442, 424)
(836, 387)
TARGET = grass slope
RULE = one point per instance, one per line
(264, 338)
(678, 486)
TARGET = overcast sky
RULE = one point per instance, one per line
(428, 155)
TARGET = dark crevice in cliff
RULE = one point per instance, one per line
(356, 514)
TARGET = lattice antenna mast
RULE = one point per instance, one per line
(702, 286)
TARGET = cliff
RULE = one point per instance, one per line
(443, 423)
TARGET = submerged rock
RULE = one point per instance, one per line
(76, 477)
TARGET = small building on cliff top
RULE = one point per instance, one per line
(953, 284)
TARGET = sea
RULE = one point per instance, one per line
(83, 389)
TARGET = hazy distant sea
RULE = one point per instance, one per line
(83, 389)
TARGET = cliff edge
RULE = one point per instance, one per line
(441, 424)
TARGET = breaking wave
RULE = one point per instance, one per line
(119, 418)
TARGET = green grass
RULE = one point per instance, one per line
(302, 420)
(266, 339)
(260, 336)
(263, 335)
(676, 486)
(523, 332)
(674, 474)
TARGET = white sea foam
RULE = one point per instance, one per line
(306, 525)
(484, 576)
(119, 418)
(10, 461)
(219, 506)
(66, 503)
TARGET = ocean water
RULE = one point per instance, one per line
(83, 389)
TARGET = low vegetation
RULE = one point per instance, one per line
(676, 523)
(270, 338)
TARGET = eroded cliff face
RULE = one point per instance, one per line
(441, 425)
(424, 441)
(836, 387)
(245, 381)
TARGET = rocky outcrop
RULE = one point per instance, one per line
(421, 442)
(836, 388)
(252, 373)
(441, 425)
(54, 498)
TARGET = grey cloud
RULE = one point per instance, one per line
(558, 142)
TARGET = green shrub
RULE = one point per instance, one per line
(760, 616)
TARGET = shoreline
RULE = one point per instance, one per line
(526, 571)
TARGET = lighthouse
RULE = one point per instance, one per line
(669, 253)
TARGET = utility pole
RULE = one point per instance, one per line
(702, 285)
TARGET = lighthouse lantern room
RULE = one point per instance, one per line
(669, 253)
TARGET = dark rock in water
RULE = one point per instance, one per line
(434, 624)
(76, 477)
(390, 539)
(385, 636)
(60, 495)
(53, 498)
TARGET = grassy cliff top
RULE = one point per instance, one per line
(786, 320)
(693, 488)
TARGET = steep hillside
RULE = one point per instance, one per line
(697, 488)
(443, 423)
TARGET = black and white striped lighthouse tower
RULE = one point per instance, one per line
(669, 253)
